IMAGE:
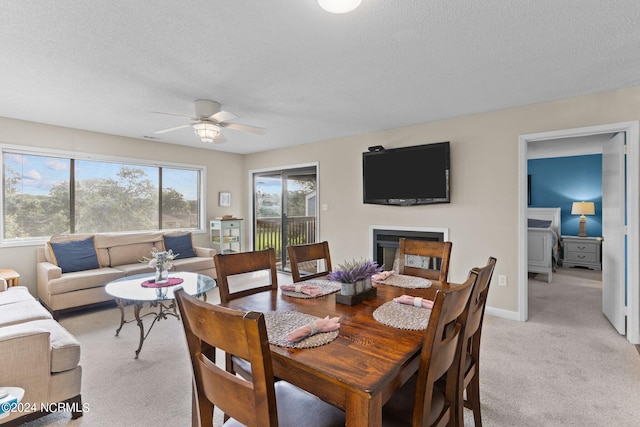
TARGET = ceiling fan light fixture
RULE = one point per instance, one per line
(339, 6)
(207, 132)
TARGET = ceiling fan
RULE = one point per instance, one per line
(209, 120)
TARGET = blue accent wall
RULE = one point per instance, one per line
(560, 181)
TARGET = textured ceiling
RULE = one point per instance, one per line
(302, 73)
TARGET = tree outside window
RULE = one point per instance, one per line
(45, 196)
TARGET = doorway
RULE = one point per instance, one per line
(284, 210)
(631, 129)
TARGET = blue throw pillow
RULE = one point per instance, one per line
(181, 245)
(75, 255)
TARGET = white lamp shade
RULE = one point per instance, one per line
(583, 208)
(339, 6)
(207, 132)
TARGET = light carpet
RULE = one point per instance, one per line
(566, 366)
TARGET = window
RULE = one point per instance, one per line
(44, 195)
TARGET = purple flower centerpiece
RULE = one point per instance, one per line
(355, 275)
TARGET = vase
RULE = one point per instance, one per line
(348, 289)
(162, 275)
(359, 286)
(161, 293)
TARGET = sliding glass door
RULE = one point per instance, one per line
(285, 210)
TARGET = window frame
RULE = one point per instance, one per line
(77, 155)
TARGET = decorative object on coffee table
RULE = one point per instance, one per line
(355, 277)
(162, 262)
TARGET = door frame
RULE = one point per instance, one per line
(251, 198)
(632, 130)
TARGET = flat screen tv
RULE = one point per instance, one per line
(416, 175)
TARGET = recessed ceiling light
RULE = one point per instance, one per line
(339, 6)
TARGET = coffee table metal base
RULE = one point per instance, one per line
(129, 291)
(164, 310)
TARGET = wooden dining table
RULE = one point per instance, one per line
(363, 367)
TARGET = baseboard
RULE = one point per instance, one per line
(504, 314)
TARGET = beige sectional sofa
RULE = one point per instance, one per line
(118, 255)
(38, 355)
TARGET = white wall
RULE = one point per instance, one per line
(224, 172)
(482, 217)
(483, 214)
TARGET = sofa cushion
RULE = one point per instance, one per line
(181, 245)
(83, 280)
(15, 294)
(137, 268)
(65, 348)
(23, 311)
(193, 264)
(75, 255)
(130, 254)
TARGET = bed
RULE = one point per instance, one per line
(543, 240)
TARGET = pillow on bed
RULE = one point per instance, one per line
(539, 223)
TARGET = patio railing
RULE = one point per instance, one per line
(300, 230)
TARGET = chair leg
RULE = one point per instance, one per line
(473, 399)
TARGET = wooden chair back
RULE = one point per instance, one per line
(209, 327)
(437, 253)
(304, 260)
(469, 357)
(442, 342)
(236, 264)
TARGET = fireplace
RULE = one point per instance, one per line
(385, 241)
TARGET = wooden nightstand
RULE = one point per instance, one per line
(582, 252)
(11, 276)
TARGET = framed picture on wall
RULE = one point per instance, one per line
(225, 198)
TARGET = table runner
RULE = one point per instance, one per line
(280, 323)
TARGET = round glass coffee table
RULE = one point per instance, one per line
(129, 290)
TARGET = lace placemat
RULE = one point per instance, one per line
(402, 316)
(404, 281)
(326, 286)
(280, 323)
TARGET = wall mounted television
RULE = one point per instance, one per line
(406, 176)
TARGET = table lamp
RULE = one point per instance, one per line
(582, 209)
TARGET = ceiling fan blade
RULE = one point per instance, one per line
(223, 116)
(172, 129)
(220, 139)
(244, 128)
(174, 115)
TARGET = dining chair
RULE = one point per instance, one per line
(256, 402)
(248, 271)
(305, 260)
(254, 272)
(435, 256)
(420, 401)
(469, 360)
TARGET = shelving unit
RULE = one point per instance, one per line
(226, 235)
